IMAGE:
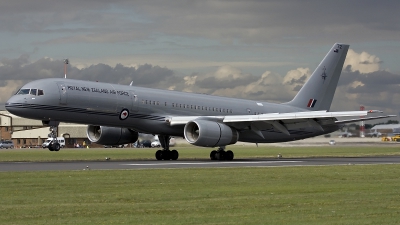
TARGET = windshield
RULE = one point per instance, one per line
(23, 91)
(26, 91)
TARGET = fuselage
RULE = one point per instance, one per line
(147, 110)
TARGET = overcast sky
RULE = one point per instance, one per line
(262, 50)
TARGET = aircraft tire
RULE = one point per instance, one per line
(229, 155)
(166, 154)
(56, 147)
(212, 155)
(174, 154)
(220, 155)
(159, 155)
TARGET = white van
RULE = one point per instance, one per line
(61, 141)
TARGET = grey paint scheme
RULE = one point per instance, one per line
(61, 103)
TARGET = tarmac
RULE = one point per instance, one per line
(268, 162)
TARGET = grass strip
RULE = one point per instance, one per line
(31, 155)
(352, 194)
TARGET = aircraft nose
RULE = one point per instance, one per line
(15, 104)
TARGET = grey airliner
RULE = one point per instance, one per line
(115, 114)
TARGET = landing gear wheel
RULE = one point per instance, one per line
(229, 155)
(212, 155)
(220, 155)
(166, 154)
(159, 155)
(174, 154)
(56, 147)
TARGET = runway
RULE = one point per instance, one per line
(134, 165)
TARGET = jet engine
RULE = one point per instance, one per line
(207, 133)
(111, 135)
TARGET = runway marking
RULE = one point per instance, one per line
(206, 163)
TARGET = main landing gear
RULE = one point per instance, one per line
(221, 154)
(166, 154)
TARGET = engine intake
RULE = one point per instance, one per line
(111, 135)
(207, 133)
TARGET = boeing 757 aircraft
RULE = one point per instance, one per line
(116, 113)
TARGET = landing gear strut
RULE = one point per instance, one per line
(53, 145)
(166, 154)
(221, 154)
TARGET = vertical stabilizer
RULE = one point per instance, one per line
(317, 93)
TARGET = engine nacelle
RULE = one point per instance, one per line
(111, 135)
(207, 133)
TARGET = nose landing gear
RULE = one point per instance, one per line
(53, 145)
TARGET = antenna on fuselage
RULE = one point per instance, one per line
(66, 62)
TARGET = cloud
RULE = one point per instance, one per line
(250, 21)
(376, 89)
(224, 77)
(8, 88)
(362, 62)
(21, 69)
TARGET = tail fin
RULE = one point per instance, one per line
(317, 93)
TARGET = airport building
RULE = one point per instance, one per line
(386, 128)
(28, 133)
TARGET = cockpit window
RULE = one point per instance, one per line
(33, 91)
(23, 92)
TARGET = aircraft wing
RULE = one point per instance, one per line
(280, 121)
(363, 119)
(180, 120)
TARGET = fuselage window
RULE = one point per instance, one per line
(173, 104)
(165, 103)
(143, 101)
(23, 92)
(146, 102)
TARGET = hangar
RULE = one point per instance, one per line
(386, 128)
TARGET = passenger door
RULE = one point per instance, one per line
(63, 93)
